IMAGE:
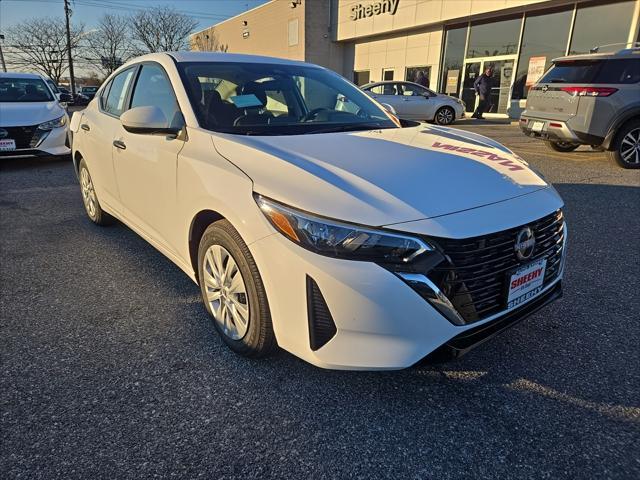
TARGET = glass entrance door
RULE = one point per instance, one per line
(471, 72)
(502, 80)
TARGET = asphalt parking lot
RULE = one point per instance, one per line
(110, 367)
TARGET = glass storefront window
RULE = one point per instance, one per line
(412, 74)
(601, 24)
(454, 44)
(545, 36)
(494, 38)
(361, 78)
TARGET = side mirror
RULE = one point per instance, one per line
(151, 120)
(65, 98)
(389, 108)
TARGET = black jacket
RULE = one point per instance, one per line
(483, 85)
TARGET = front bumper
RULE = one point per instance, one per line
(380, 322)
(52, 143)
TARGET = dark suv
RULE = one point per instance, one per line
(592, 100)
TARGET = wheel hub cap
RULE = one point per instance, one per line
(630, 147)
(226, 292)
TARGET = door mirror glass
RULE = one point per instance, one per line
(151, 120)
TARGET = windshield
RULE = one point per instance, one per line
(24, 90)
(52, 86)
(273, 99)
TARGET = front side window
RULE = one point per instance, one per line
(411, 90)
(117, 96)
(17, 90)
(153, 88)
(273, 99)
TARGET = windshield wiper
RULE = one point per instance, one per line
(350, 128)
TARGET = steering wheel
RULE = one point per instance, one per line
(314, 113)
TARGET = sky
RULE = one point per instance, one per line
(205, 12)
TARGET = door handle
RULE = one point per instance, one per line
(119, 144)
(85, 127)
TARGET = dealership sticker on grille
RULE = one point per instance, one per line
(526, 283)
(7, 145)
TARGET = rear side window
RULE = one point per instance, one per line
(613, 71)
(626, 70)
(117, 96)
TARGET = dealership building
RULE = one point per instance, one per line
(451, 41)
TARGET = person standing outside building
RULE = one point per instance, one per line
(483, 86)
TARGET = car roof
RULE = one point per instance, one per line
(20, 75)
(387, 82)
(187, 57)
(633, 52)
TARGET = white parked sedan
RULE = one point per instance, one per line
(313, 219)
(32, 120)
(415, 102)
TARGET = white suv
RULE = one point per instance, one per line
(313, 219)
(32, 120)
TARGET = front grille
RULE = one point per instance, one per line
(474, 278)
(23, 136)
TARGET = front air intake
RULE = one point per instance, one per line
(321, 325)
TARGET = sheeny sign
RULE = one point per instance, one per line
(359, 11)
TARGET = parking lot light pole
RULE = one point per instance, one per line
(67, 13)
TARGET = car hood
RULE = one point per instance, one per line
(381, 177)
(17, 114)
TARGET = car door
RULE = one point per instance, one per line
(417, 102)
(146, 164)
(98, 127)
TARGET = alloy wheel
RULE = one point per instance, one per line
(444, 116)
(88, 193)
(630, 147)
(226, 292)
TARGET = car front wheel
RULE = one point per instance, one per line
(233, 292)
(445, 116)
(625, 148)
(561, 146)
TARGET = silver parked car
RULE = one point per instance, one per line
(591, 99)
(412, 101)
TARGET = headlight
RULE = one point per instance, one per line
(341, 240)
(51, 124)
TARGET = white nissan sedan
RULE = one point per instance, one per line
(310, 217)
(33, 123)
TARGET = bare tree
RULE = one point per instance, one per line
(41, 44)
(208, 41)
(110, 45)
(161, 29)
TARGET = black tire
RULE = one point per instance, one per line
(561, 146)
(259, 339)
(95, 213)
(630, 131)
(444, 116)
